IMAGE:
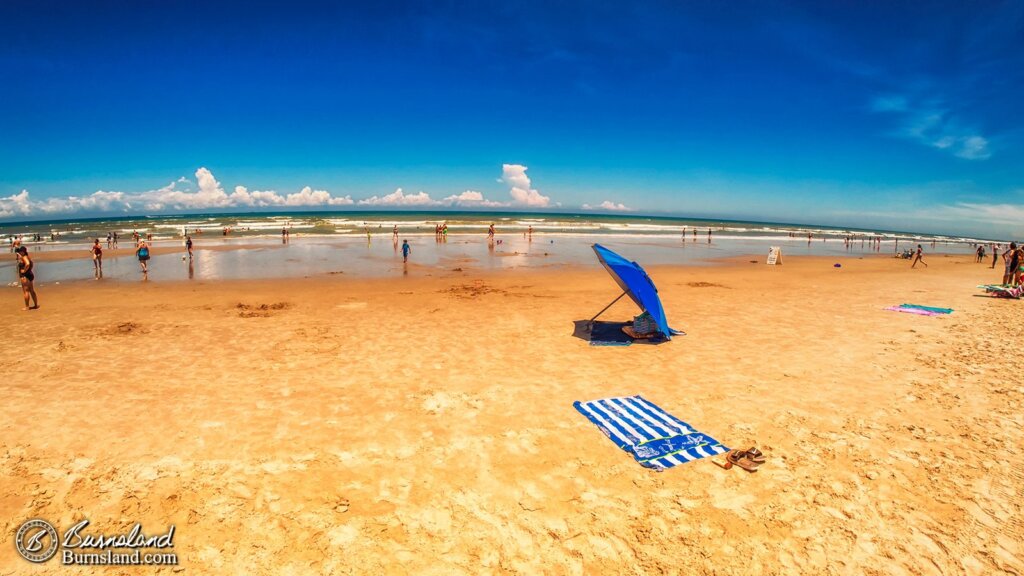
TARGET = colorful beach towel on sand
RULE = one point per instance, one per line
(655, 438)
(920, 310)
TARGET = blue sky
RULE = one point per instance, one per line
(902, 115)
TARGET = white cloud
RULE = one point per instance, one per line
(178, 195)
(310, 197)
(515, 176)
(974, 148)
(608, 205)
(16, 205)
(472, 198)
(399, 198)
(996, 214)
(932, 124)
(209, 195)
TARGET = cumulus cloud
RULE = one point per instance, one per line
(610, 206)
(522, 194)
(399, 198)
(933, 124)
(16, 205)
(472, 198)
(210, 194)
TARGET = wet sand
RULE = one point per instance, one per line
(425, 424)
(307, 256)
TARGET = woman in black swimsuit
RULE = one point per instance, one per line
(27, 276)
(1012, 259)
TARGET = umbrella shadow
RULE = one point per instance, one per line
(608, 332)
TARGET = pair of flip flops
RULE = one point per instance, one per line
(748, 460)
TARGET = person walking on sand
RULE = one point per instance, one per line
(97, 259)
(490, 233)
(995, 255)
(406, 250)
(188, 246)
(917, 257)
(142, 251)
(27, 276)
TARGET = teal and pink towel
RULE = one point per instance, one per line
(920, 310)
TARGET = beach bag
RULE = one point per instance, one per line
(644, 324)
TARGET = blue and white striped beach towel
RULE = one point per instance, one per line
(655, 438)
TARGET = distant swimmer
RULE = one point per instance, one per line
(27, 276)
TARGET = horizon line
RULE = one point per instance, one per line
(496, 210)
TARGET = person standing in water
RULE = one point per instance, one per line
(27, 276)
(97, 259)
(406, 250)
(918, 257)
(188, 246)
(490, 233)
(142, 251)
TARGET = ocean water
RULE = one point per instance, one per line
(361, 243)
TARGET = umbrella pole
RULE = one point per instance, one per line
(606, 307)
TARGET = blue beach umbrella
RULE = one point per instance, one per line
(635, 283)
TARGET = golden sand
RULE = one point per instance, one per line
(425, 425)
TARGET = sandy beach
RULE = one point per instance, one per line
(424, 425)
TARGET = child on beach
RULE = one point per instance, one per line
(97, 259)
(406, 249)
(918, 258)
(26, 275)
